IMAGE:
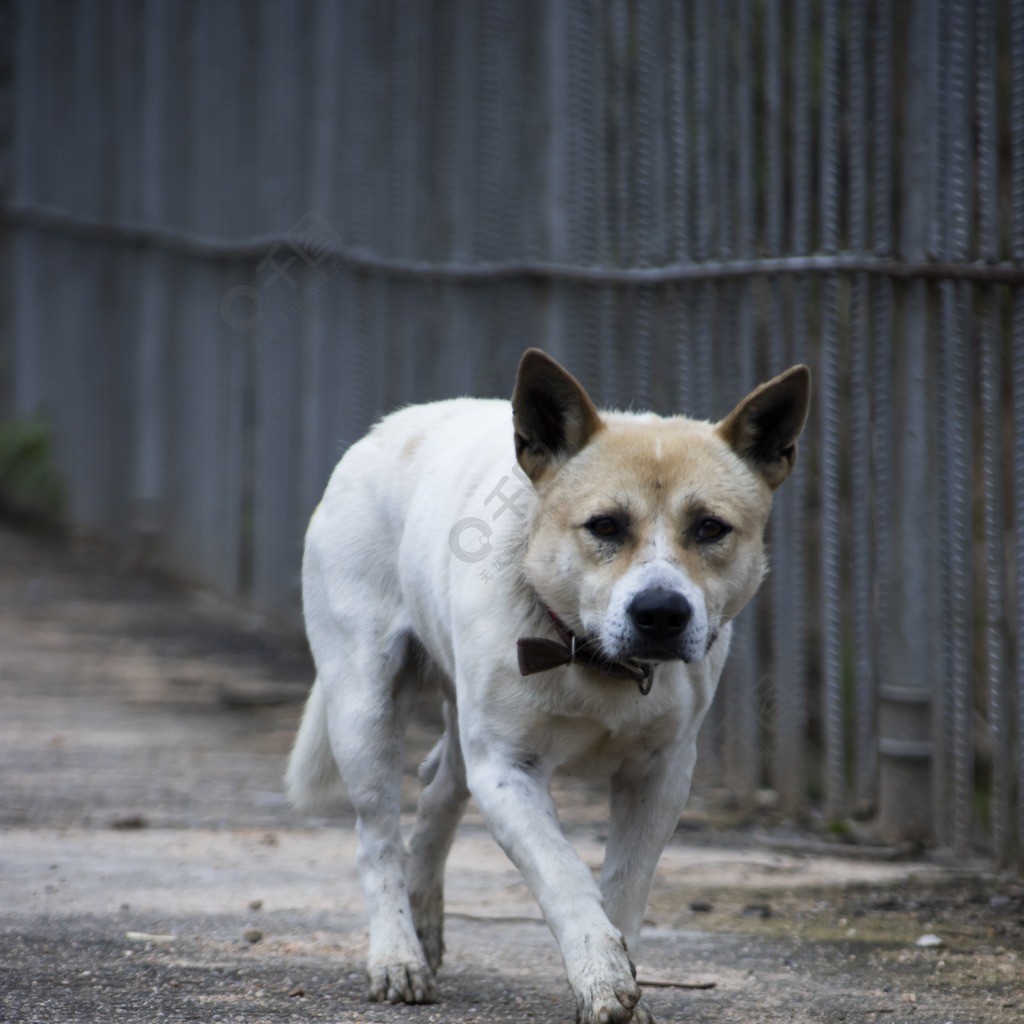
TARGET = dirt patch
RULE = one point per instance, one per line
(150, 868)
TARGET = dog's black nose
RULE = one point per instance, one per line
(660, 614)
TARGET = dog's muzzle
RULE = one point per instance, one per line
(539, 654)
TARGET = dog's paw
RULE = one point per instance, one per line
(428, 917)
(641, 1014)
(614, 1004)
(401, 983)
(606, 988)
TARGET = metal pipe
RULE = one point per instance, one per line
(904, 792)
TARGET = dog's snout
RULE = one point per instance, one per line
(660, 615)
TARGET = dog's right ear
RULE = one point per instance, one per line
(552, 414)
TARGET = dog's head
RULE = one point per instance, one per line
(649, 533)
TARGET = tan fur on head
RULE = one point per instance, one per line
(660, 481)
(657, 488)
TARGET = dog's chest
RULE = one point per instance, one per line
(592, 749)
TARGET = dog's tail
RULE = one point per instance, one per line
(312, 772)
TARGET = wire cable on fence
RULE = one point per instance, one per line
(196, 246)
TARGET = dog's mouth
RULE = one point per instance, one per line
(647, 655)
(653, 655)
(541, 654)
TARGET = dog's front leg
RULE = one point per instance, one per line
(646, 800)
(517, 805)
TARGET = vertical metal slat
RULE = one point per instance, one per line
(882, 365)
(745, 734)
(955, 301)
(702, 46)
(992, 373)
(862, 634)
(791, 754)
(786, 730)
(1017, 252)
(830, 406)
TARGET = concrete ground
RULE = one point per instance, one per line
(151, 870)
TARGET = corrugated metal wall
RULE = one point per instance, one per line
(239, 232)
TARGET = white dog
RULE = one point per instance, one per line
(569, 577)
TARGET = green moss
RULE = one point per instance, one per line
(841, 830)
(30, 488)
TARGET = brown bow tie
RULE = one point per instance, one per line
(538, 654)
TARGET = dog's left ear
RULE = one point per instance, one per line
(764, 427)
(552, 414)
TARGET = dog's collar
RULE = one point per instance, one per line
(538, 654)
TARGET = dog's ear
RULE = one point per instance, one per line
(764, 427)
(552, 415)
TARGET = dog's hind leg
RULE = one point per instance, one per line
(441, 805)
(368, 704)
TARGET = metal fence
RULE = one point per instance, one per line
(241, 231)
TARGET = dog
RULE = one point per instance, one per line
(569, 578)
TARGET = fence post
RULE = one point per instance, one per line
(905, 748)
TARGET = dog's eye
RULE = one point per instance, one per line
(712, 528)
(606, 527)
